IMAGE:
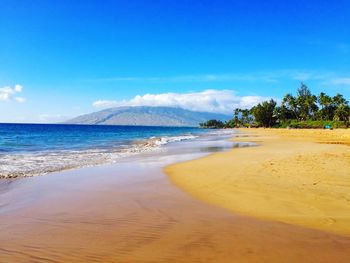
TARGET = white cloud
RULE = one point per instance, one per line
(211, 100)
(18, 88)
(10, 94)
(340, 81)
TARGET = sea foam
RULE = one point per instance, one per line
(40, 163)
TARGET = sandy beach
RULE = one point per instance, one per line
(298, 177)
(132, 212)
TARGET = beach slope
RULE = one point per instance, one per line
(299, 177)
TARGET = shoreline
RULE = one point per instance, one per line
(38, 150)
(131, 212)
(50, 162)
(298, 177)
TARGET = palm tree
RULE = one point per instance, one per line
(342, 113)
(327, 107)
(289, 103)
(236, 121)
(339, 100)
(306, 103)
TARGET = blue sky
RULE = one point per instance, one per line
(74, 57)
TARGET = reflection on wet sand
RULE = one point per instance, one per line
(130, 212)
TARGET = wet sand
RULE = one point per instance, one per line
(131, 212)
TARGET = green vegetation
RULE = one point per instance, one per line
(212, 124)
(264, 113)
(304, 110)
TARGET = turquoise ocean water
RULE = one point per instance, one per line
(35, 149)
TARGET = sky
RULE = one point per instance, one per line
(60, 59)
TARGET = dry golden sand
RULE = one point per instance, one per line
(299, 177)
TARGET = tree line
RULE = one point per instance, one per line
(305, 110)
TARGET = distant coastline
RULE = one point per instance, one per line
(305, 110)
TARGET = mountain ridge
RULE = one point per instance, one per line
(147, 116)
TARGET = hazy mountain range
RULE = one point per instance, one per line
(147, 116)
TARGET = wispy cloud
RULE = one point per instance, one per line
(273, 76)
(20, 99)
(11, 93)
(190, 78)
(211, 100)
(341, 81)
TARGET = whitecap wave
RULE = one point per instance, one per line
(32, 164)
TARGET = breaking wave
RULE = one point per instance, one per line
(40, 163)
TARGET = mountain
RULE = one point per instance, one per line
(147, 116)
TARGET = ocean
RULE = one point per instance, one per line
(37, 149)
